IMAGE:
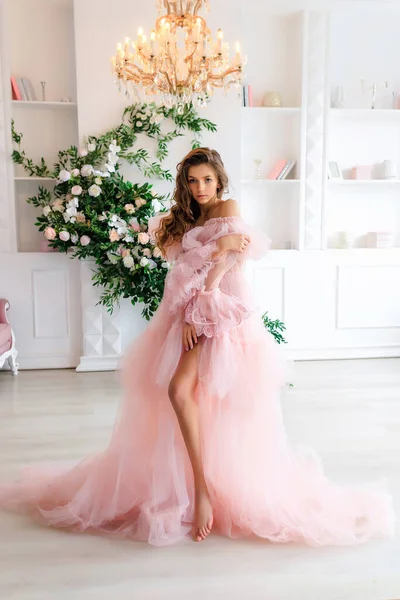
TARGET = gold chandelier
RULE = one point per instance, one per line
(180, 63)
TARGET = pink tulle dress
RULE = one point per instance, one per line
(141, 486)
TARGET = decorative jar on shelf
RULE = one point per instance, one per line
(345, 240)
(389, 169)
(380, 239)
(272, 100)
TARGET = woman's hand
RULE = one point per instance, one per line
(237, 242)
(189, 336)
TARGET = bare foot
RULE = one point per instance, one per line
(203, 516)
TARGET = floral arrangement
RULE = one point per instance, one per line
(93, 212)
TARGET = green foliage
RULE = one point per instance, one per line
(93, 212)
(276, 328)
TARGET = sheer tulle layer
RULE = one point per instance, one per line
(141, 486)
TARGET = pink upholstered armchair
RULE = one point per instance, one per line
(7, 340)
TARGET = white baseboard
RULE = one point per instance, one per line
(106, 363)
(110, 363)
(60, 361)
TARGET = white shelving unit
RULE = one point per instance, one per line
(273, 133)
(364, 182)
(44, 104)
(47, 126)
(356, 134)
(34, 179)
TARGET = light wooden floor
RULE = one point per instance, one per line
(349, 411)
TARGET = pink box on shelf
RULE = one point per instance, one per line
(362, 172)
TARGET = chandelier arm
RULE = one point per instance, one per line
(167, 78)
(197, 6)
(224, 74)
(139, 75)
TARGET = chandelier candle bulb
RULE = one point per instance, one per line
(153, 43)
(220, 37)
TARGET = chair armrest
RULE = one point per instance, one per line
(4, 306)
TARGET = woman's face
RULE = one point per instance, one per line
(203, 183)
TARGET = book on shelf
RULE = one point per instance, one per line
(16, 94)
(281, 169)
(22, 89)
(247, 95)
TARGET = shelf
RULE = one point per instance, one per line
(366, 112)
(37, 103)
(371, 182)
(266, 182)
(35, 179)
(284, 110)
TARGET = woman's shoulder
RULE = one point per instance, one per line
(228, 208)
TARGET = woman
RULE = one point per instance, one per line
(199, 441)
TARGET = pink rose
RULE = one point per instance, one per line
(125, 252)
(147, 252)
(157, 252)
(80, 218)
(143, 238)
(114, 235)
(130, 209)
(64, 236)
(85, 240)
(50, 233)
(135, 227)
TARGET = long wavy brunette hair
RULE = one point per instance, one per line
(186, 210)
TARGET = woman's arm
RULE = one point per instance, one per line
(232, 242)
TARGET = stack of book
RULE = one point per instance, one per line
(247, 95)
(22, 89)
(282, 169)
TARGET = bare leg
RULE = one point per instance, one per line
(181, 392)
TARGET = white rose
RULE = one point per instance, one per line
(75, 173)
(128, 262)
(87, 170)
(64, 175)
(147, 252)
(91, 147)
(74, 238)
(157, 252)
(83, 152)
(165, 265)
(110, 168)
(85, 240)
(64, 236)
(144, 261)
(94, 191)
(46, 211)
(143, 238)
(98, 180)
(76, 190)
